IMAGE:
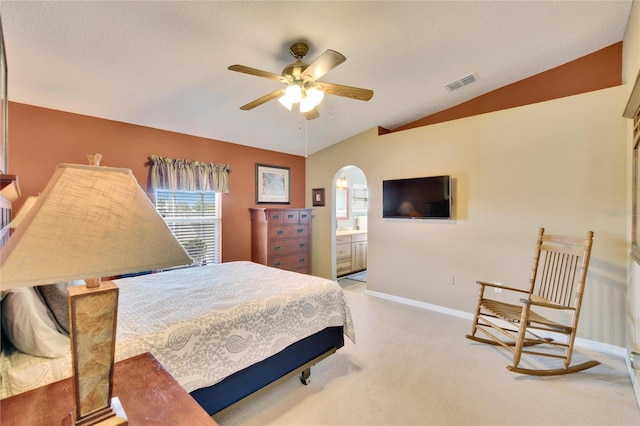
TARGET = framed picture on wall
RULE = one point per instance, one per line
(318, 197)
(272, 184)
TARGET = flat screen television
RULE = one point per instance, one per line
(417, 198)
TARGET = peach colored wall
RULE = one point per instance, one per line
(40, 139)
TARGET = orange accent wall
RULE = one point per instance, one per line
(598, 70)
(40, 139)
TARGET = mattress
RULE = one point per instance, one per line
(205, 323)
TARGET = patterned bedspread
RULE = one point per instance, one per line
(206, 323)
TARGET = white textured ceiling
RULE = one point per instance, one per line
(164, 64)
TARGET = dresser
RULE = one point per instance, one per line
(281, 238)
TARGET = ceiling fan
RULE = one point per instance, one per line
(301, 80)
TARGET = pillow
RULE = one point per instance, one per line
(55, 296)
(27, 324)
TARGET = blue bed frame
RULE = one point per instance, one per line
(296, 358)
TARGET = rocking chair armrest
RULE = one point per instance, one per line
(488, 284)
(547, 305)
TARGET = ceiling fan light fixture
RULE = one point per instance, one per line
(306, 105)
(285, 102)
(315, 95)
(293, 94)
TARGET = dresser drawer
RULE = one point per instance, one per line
(343, 267)
(358, 237)
(274, 217)
(305, 216)
(343, 250)
(343, 239)
(288, 231)
(290, 262)
(291, 217)
(288, 246)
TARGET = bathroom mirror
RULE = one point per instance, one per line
(342, 203)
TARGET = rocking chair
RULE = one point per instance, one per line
(556, 288)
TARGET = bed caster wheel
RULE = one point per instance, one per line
(305, 376)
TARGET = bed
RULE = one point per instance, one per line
(223, 331)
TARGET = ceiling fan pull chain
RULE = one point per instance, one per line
(305, 138)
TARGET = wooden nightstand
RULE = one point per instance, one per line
(148, 393)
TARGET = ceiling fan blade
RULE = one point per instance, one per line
(256, 72)
(260, 101)
(323, 64)
(310, 115)
(347, 91)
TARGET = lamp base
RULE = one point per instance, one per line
(92, 319)
(110, 416)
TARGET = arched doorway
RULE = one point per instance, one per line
(350, 209)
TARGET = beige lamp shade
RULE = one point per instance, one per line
(88, 222)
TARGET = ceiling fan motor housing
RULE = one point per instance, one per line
(294, 71)
(298, 50)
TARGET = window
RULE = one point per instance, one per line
(195, 219)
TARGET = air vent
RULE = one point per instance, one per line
(462, 82)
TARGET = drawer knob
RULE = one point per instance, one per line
(275, 216)
(290, 216)
(301, 260)
(277, 264)
(280, 232)
(303, 245)
(276, 248)
(300, 230)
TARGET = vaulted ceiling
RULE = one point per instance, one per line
(164, 64)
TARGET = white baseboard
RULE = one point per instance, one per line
(584, 343)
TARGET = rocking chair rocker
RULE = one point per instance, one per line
(556, 285)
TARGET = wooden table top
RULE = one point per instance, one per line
(148, 393)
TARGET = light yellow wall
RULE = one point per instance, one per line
(558, 164)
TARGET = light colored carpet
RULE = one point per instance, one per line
(411, 366)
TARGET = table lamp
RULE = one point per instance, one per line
(90, 222)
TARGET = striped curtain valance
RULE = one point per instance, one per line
(183, 175)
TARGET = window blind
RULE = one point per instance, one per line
(196, 220)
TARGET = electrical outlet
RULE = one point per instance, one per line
(452, 280)
(496, 289)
